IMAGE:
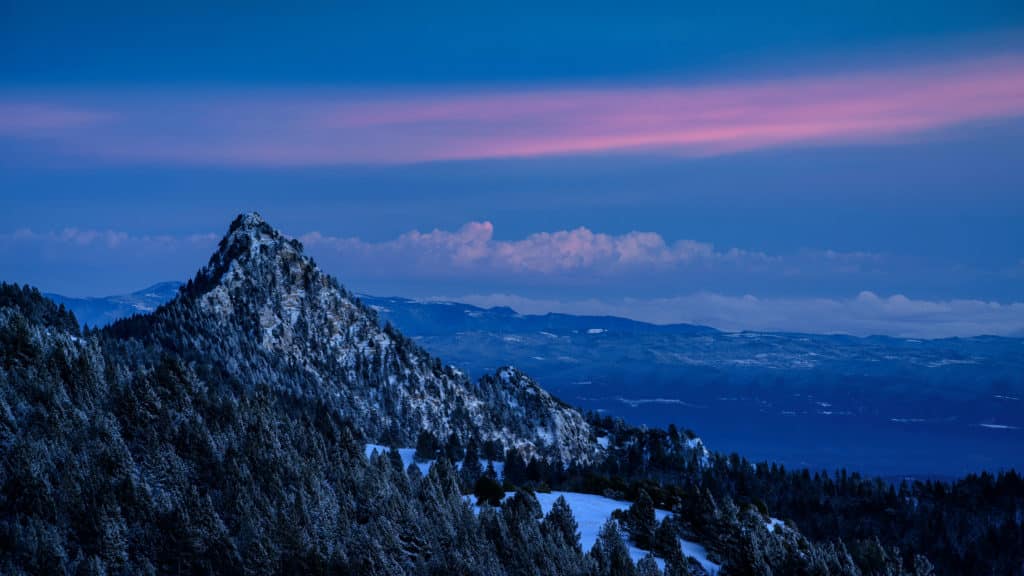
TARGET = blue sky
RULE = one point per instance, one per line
(791, 166)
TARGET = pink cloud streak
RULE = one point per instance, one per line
(38, 118)
(313, 128)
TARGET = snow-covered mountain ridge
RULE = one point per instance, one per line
(264, 311)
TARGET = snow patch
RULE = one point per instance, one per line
(409, 457)
(700, 554)
(999, 426)
(635, 402)
(592, 511)
(948, 362)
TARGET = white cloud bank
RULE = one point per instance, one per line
(473, 247)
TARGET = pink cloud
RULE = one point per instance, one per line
(473, 248)
(323, 127)
(34, 118)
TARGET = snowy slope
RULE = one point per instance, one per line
(592, 511)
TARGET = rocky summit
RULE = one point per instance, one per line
(263, 312)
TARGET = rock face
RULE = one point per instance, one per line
(262, 313)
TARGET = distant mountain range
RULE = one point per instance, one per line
(565, 346)
(873, 403)
(884, 405)
(568, 341)
(104, 310)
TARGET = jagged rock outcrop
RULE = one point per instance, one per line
(262, 313)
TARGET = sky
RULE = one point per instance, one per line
(849, 168)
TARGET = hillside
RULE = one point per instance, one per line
(227, 431)
(874, 403)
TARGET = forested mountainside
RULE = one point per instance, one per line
(265, 314)
(226, 432)
(874, 404)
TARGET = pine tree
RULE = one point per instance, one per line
(426, 446)
(922, 567)
(677, 567)
(666, 540)
(610, 554)
(641, 522)
(471, 468)
(562, 540)
(515, 469)
(489, 491)
(647, 567)
(453, 448)
(561, 526)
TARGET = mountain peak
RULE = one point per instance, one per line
(248, 232)
(261, 298)
(249, 222)
(260, 280)
(249, 243)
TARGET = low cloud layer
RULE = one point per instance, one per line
(111, 239)
(94, 262)
(473, 249)
(863, 315)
